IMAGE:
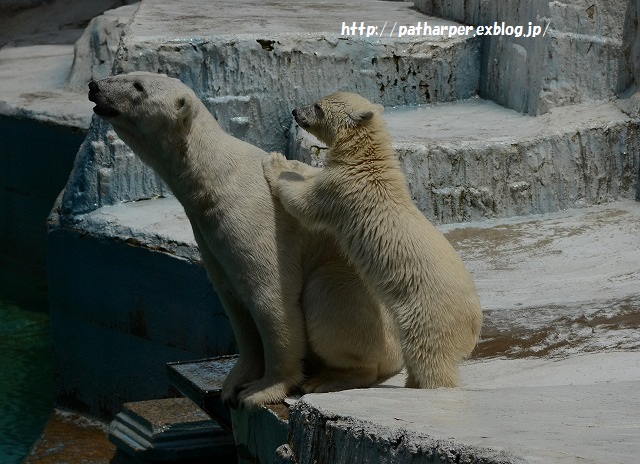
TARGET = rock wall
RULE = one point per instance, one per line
(577, 60)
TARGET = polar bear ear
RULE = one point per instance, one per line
(184, 107)
(361, 116)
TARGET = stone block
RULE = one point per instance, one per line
(170, 430)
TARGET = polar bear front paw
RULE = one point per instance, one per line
(261, 392)
(273, 165)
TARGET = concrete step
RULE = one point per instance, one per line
(172, 431)
(473, 160)
(584, 51)
(252, 72)
(555, 420)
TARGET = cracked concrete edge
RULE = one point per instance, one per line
(317, 435)
(568, 161)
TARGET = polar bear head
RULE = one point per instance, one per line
(152, 113)
(336, 116)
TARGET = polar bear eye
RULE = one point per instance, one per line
(318, 109)
(138, 86)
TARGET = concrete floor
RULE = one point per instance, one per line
(556, 376)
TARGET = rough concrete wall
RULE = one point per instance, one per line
(583, 52)
(458, 181)
(106, 172)
(592, 166)
(258, 433)
(629, 78)
(95, 50)
(119, 313)
(576, 61)
(251, 86)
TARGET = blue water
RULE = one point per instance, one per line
(26, 379)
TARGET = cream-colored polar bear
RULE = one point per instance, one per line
(295, 304)
(361, 198)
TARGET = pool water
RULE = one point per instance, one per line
(26, 379)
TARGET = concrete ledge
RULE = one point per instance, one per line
(506, 412)
(474, 160)
(41, 95)
(251, 76)
(587, 423)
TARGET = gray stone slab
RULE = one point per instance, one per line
(557, 284)
(577, 423)
(34, 86)
(202, 382)
(159, 224)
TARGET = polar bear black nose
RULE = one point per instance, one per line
(93, 86)
(294, 113)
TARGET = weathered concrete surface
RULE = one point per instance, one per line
(71, 439)
(29, 22)
(475, 160)
(106, 172)
(559, 284)
(36, 57)
(629, 78)
(590, 423)
(157, 223)
(41, 95)
(258, 433)
(95, 50)
(555, 378)
(578, 59)
(251, 73)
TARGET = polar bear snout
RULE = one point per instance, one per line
(102, 108)
(301, 120)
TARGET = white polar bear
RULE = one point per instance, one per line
(361, 198)
(295, 304)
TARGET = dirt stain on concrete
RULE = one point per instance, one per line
(554, 332)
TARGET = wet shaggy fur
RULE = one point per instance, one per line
(301, 315)
(361, 198)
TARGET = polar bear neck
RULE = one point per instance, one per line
(371, 138)
(195, 167)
